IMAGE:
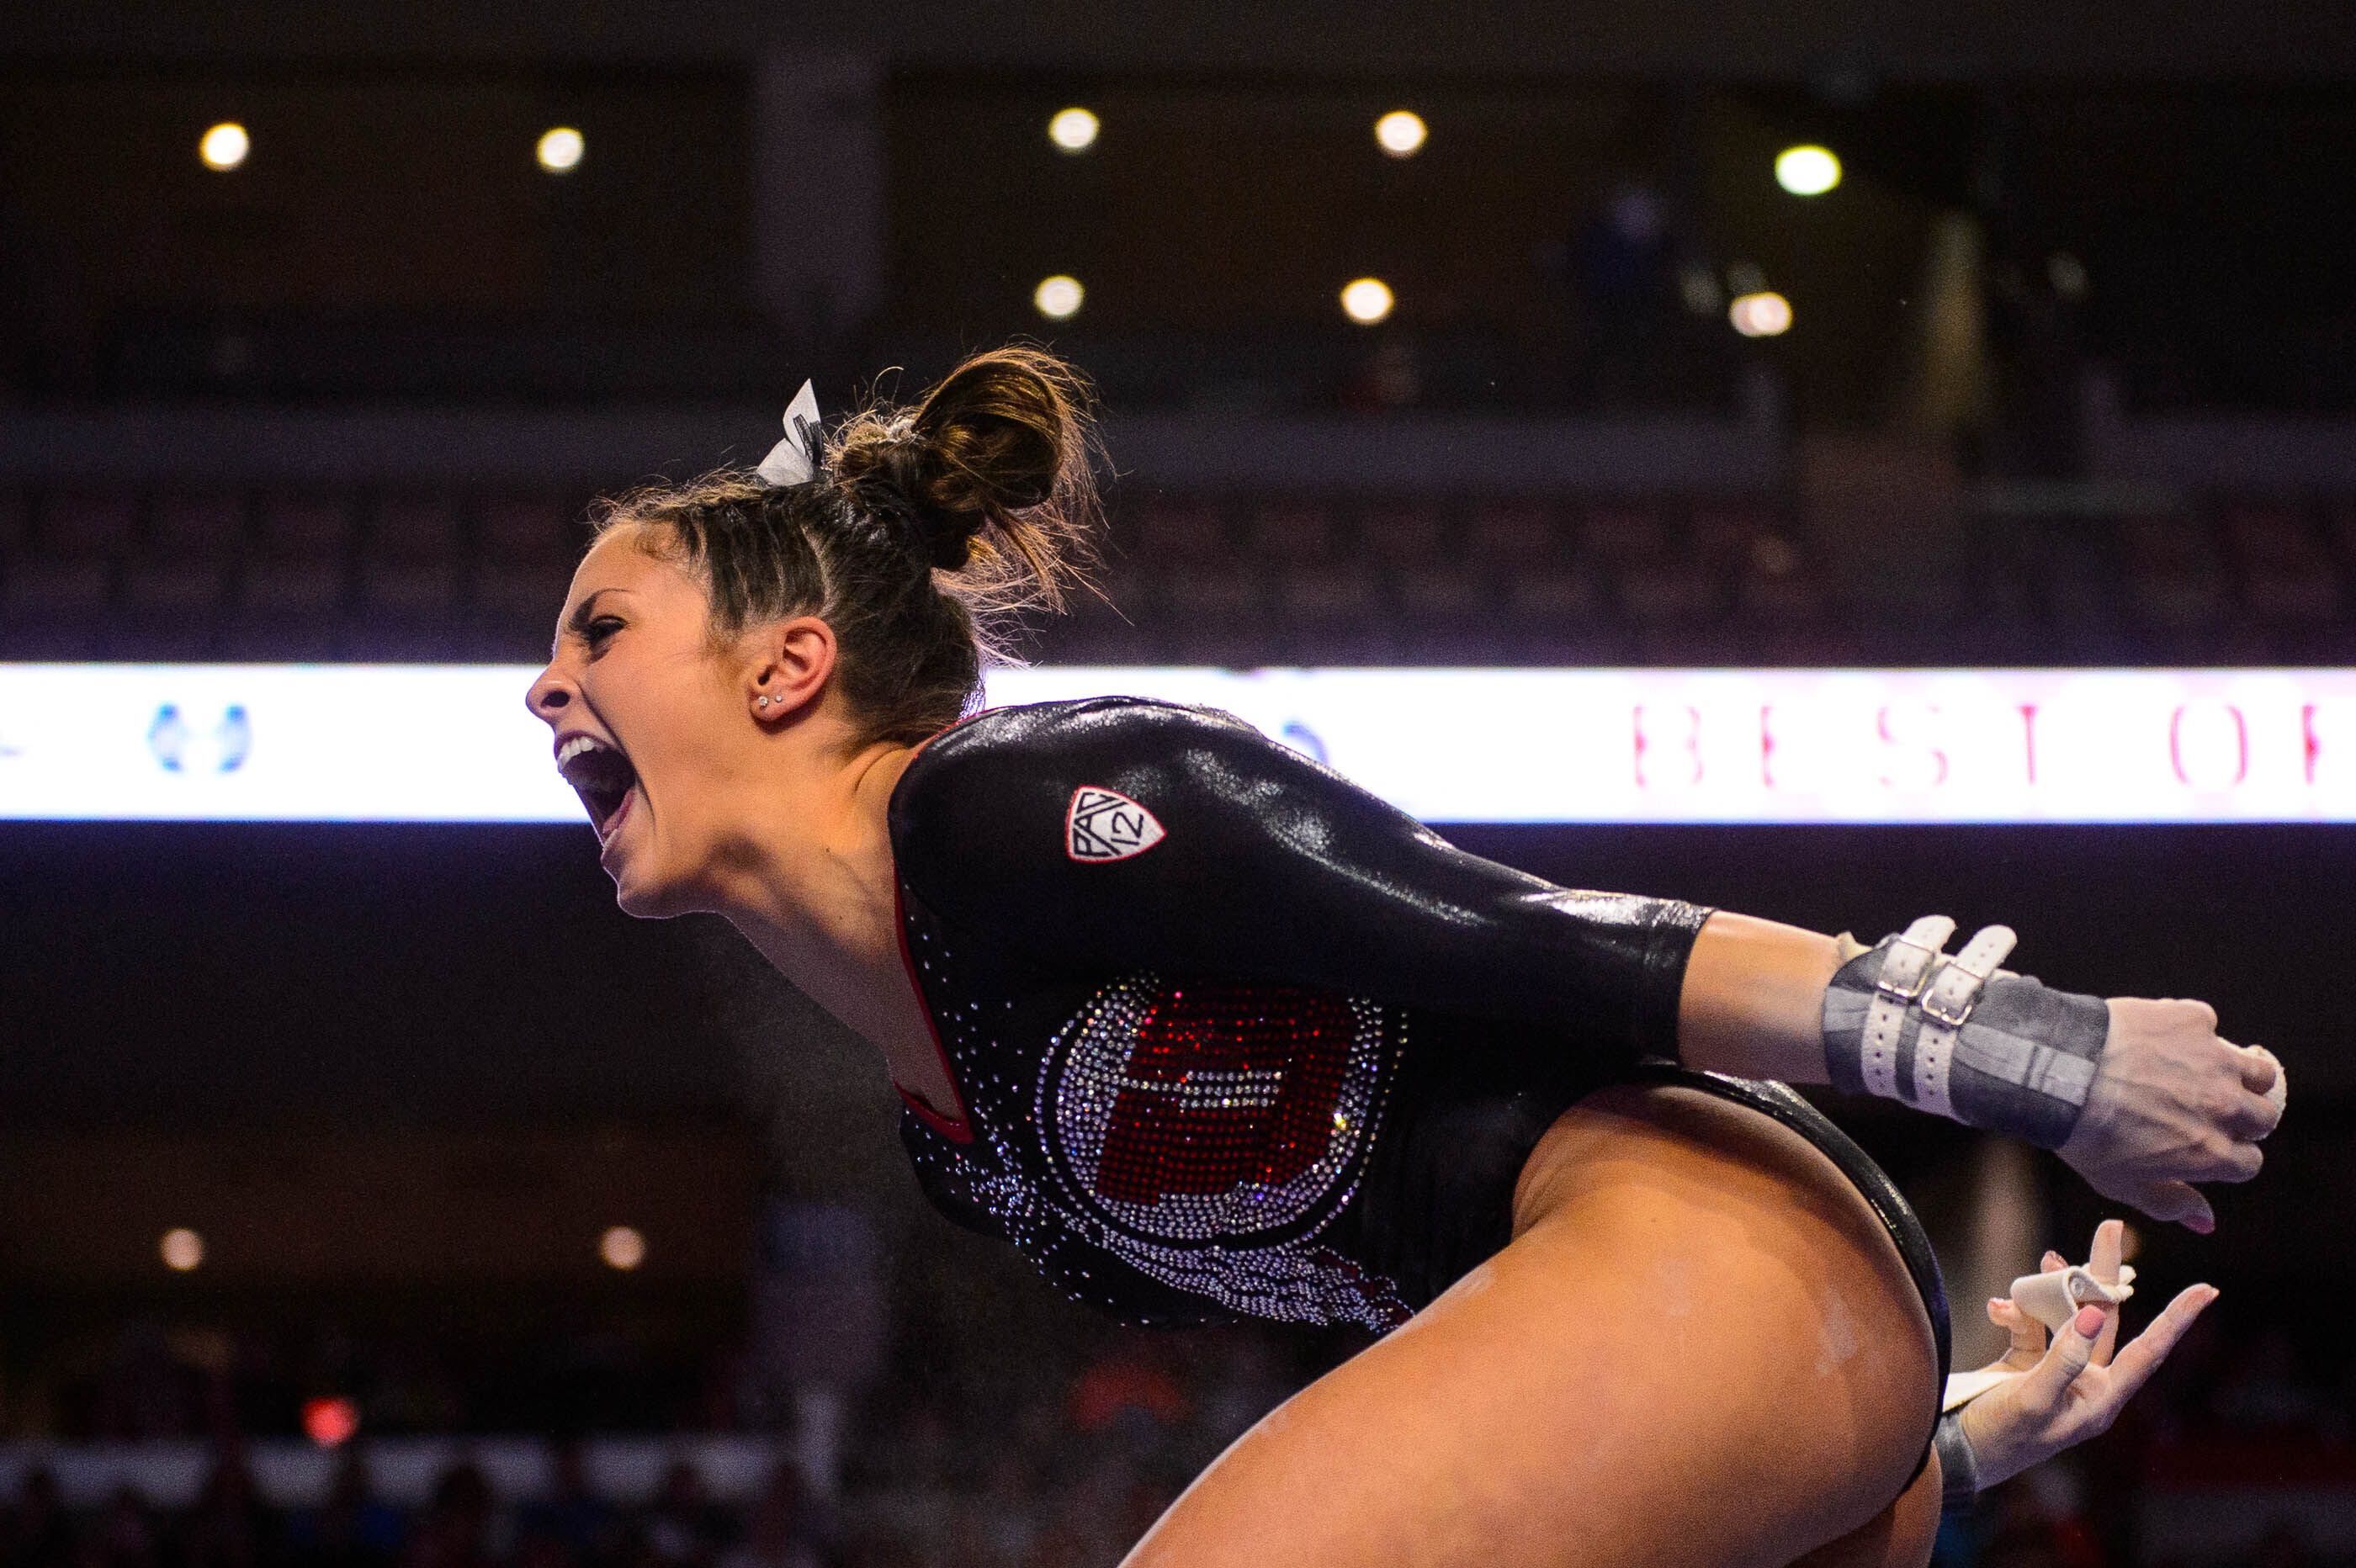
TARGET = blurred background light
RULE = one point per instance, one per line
(182, 1249)
(560, 148)
(224, 147)
(1807, 170)
(1074, 129)
(2067, 274)
(622, 1247)
(1762, 314)
(1401, 132)
(1366, 299)
(1697, 286)
(330, 1423)
(1059, 297)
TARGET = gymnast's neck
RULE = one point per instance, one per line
(808, 878)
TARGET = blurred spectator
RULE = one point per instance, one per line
(35, 1532)
(784, 1531)
(681, 1528)
(1246, 1382)
(2039, 1522)
(1388, 376)
(125, 1536)
(572, 1519)
(1082, 1528)
(2036, 340)
(1001, 1522)
(352, 1527)
(230, 1526)
(1126, 1385)
(1038, 1470)
(455, 1531)
(917, 1446)
(1623, 258)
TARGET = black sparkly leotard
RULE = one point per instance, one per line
(1233, 1036)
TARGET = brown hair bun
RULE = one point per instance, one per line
(990, 467)
(927, 529)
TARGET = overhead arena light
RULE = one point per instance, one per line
(560, 148)
(1366, 299)
(1762, 314)
(622, 1247)
(181, 1249)
(1059, 298)
(1074, 130)
(1807, 170)
(1401, 132)
(224, 147)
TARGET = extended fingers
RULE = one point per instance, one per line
(2103, 1260)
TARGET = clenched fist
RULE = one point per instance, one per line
(2172, 1104)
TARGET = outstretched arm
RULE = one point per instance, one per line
(1123, 835)
(1135, 834)
(1754, 997)
(2171, 1102)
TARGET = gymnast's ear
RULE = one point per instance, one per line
(787, 663)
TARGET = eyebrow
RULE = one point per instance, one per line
(582, 614)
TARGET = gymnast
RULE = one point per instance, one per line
(1205, 1031)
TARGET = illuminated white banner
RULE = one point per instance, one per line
(453, 743)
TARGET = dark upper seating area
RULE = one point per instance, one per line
(1236, 579)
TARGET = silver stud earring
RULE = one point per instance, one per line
(765, 702)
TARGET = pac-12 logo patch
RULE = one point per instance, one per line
(1106, 825)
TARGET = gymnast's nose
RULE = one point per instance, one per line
(549, 694)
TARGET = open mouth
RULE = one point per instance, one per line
(602, 776)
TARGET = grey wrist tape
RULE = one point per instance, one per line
(1961, 1037)
(1959, 1470)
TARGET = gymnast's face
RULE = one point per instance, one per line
(651, 724)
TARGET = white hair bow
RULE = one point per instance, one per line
(794, 461)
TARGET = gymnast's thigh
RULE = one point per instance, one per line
(1699, 1347)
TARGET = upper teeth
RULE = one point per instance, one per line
(574, 747)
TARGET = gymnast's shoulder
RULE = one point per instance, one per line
(995, 792)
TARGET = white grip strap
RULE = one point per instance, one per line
(2053, 1299)
(1946, 1004)
(1904, 970)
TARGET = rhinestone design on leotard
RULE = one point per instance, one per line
(1184, 1115)
(1200, 1136)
